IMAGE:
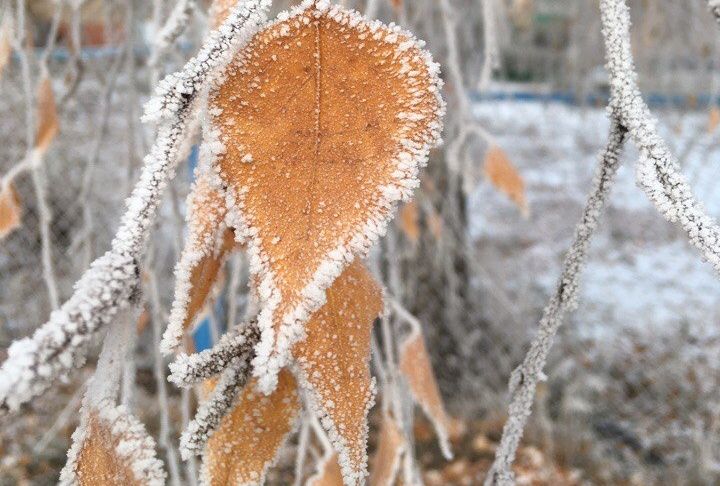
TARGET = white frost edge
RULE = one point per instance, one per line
(272, 352)
(353, 475)
(135, 448)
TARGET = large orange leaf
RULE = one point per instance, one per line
(328, 473)
(326, 119)
(207, 246)
(391, 446)
(334, 362)
(48, 123)
(10, 210)
(247, 441)
(505, 177)
(112, 448)
(415, 365)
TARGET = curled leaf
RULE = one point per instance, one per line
(112, 448)
(391, 446)
(505, 177)
(207, 246)
(328, 473)
(334, 365)
(48, 124)
(415, 365)
(10, 210)
(247, 441)
(326, 119)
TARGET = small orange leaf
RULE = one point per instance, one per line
(219, 11)
(207, 246)
(415, 365)
(713, 119)
(48, 123)
(326, 119)
(112, 448)
(505, 177)
(248, 439)
(328, 473)
(5, 44)
(334, 362)
(435, 223)
(10, 210)
(409, 221)
(391, 445)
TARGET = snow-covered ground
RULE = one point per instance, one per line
(642, 275)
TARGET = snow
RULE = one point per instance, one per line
(642, 275)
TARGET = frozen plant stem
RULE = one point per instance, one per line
(525, 378)
(658, 171)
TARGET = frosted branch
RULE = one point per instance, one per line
(236, 348)
(173, 28)
(222, 44)
(525, 378)
(658, 171)
(211, 412)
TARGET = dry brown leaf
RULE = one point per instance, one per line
(334, 362)
(48, 124)
(326, 119)
(505, 177)
(415, 365)
(207, 246)
(391, 445)
(10, 210)
(435, 224)
(409, 221)
(248, 439)
(713, 119)
(112, 448)
(328, 473)
(219, 11)
(5, 45)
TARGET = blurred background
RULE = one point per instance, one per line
(633, 389)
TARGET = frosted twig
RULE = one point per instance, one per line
(491, 61)
(234, 348)
(658, 171)
(164, 437)
(173, 28)
(222, 44)
(211, 412)
(525, 378)
(36, 363)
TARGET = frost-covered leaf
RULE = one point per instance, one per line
(249, 438)
(328, 473)
(334, 365)
(391, 446)
(207, 246)
(325, 119)
(10, 210)
(409, 217)
(112, 448)
(504, 176)
(713, 119)
(48, 123)
(415, 365)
